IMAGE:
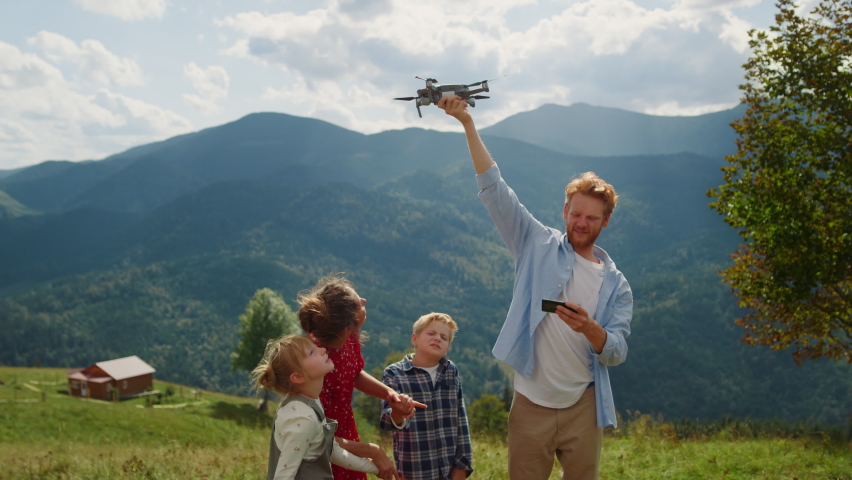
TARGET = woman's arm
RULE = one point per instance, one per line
(365, 383)
(387, 471)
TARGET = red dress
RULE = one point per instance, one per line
(336, 396)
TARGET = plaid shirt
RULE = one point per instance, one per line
(436, 438)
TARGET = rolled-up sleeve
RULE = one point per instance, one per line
(617, 327)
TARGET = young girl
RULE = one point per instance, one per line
(332, 313)
(302, 444)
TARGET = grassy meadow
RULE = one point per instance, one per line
(194, 434)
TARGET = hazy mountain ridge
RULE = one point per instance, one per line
(173, 238)
(582, 129)
(11, 208)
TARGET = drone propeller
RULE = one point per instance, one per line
(484, 81)
(426, 79)
(478, 97)
(405, 98)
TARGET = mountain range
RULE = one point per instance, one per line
(156, 251)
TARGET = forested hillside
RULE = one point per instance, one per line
(156, 251)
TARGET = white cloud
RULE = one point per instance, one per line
(604, 27)
(735, 32)
(673, 108)
(14, 132)
(44, 116)
(95, 63)
(344, 60)
(210, 83)
(714, 4)
(354, 108)
(594, 51)
(126, 9)
(140, 118)
(200, 104)
(19, 69)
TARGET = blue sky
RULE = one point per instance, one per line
(83, 79)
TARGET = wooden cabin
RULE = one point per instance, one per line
(128, 376)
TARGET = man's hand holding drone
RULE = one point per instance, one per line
(456, 106)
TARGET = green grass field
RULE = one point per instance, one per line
(218, 436)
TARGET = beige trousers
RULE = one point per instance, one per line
(536, 433)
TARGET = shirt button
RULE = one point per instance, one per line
(560, 285)
(569, 267)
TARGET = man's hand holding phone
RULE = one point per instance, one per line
(550, 306)
(578, 319)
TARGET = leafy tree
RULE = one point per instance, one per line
(267, 317)
(787, 189)
(488, 415)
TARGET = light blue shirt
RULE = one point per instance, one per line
(544, 262)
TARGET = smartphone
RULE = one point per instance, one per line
(550, 306)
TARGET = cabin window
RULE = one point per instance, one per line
(124, 384)
(75, 384)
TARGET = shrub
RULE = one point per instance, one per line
(488, 416)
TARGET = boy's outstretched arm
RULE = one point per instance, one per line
(456, 107)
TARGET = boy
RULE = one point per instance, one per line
(435, 443)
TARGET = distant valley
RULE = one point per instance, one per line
(155, 251)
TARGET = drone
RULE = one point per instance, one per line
(434, 92)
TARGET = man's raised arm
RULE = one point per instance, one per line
(456, 107)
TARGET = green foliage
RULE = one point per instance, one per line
(788, 188)
(488, 416)
(267, 317)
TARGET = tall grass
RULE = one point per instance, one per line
(226, 438)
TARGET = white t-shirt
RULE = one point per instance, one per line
(433, 372)
(563, 357)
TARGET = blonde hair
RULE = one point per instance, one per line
(425, 320)
(328, 308)
(283, 357)
(592, 185)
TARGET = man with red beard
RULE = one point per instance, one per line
(563, 398)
